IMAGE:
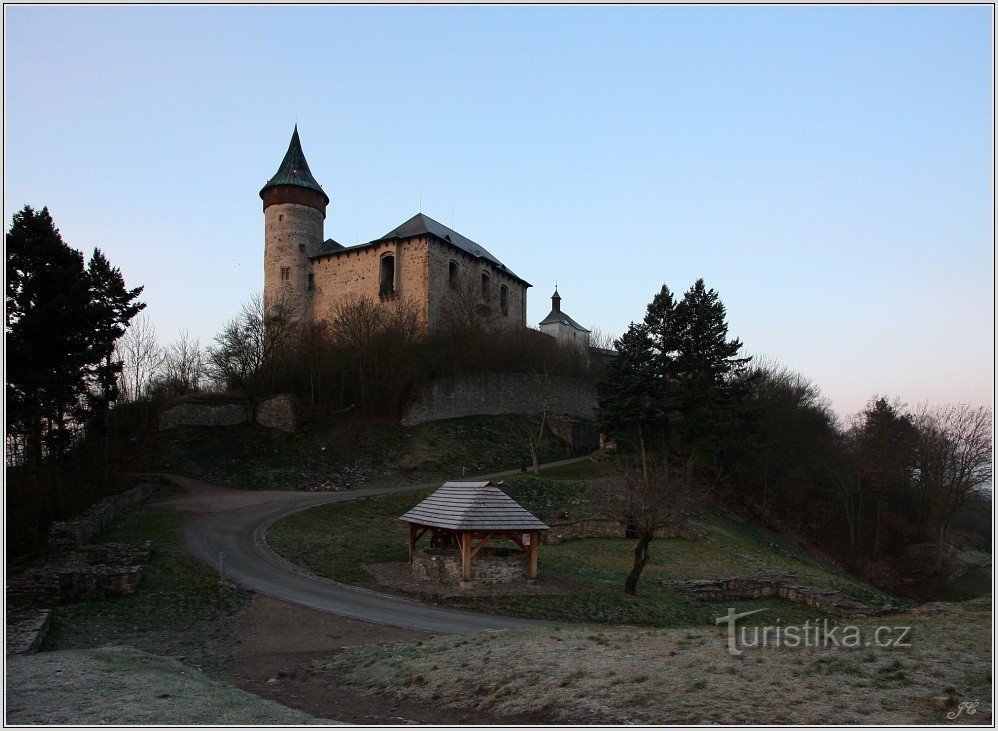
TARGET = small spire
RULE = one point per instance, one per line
(556, 300)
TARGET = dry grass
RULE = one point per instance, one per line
(686, 676)
(122, 685)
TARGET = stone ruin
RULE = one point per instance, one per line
(75, 571)
(67, 534)
(491, 567)
(769, 583)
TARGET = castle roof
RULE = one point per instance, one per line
(294, 170)
(556, 315)
(472, 506)
(423, 225)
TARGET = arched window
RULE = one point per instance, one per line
(387, 276)
(486, 285)
(504, 299)
(452, 274)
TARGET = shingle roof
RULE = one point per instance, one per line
(473, 506)
(294, 170)
(559, 316)
(421, 225)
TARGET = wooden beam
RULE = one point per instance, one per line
(481, 543)
(532, 573)
(465, 542)
(412, 540)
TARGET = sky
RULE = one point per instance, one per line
(828, 170)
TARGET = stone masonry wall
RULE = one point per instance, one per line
(202, 415)
(356, 275)
(292, 232)
(501, 393)
(280, 412)
(470, 272)
(67, 534)
(444, 566)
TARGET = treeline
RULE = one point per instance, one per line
(369, 359)
(881, 494)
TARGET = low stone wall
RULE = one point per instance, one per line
(491, 394)
(203, 415)
(444, 566)
(26, 630)
(70, 533)
(93, 572)
(281, 412)
(773, 583)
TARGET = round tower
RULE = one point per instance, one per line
(294, 209)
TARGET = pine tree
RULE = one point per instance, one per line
(46, 325)
(709, 372)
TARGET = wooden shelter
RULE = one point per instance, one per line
(468, 515)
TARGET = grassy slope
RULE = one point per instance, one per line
(348, 452)
(334, 540)
(176, 610)
(669, 676)
(122, 685)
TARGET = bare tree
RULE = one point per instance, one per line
(645, 502)
(184, 366)
(954, 464)
(142, 356)
(472, 306)
(251, 348)
(542, 388)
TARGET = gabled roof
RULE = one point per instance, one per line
(423, 225)
(329, 246)
(472, 506)
(294, 170)
(558, 316)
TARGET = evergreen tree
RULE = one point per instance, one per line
(629, 399)
(62, 321)
(112, 306)
(709, 372)
(46, 325)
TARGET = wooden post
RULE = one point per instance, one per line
(465, 539)
(532, 574)
(412, 540)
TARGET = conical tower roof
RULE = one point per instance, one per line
(294, 170)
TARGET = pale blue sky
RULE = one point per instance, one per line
(829, 170)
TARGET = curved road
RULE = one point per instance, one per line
(239, 532)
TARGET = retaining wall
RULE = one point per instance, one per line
(492, 394)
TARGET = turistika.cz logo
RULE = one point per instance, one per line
(819, 633)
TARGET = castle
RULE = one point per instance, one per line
(429, 266)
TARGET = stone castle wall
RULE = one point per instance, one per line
(470, 276)
(356, 275)
(492, 394)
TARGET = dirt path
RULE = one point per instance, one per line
(277, 642)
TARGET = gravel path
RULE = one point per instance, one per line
(234, 523)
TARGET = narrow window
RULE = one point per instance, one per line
(286, 274)
(504, 300)
(280, 217)
(486, 286)
(387, 276)
(311, 280)
(452, 274)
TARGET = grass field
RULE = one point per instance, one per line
(335, 540)
(686, 676)
(349, 452)
(122, 685)
(175, 610)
